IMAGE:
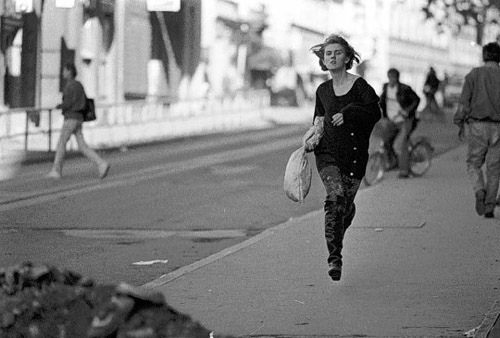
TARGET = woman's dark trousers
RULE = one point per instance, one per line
(339, 209)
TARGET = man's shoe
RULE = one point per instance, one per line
(103, 170)
(334, 271)
(489, 214)
(54, 175)
(480, 207)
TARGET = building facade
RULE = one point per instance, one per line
(121, 50)
(210, 47)
(387, 33)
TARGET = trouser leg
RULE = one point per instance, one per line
(401, 146)
(351, 211)
(85, 149)
(339, 210)
(492, 167)
(334, 232)
(476, 154)
(390, 133)
(68, 128)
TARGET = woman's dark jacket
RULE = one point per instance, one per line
(346, 146)
(407, 98)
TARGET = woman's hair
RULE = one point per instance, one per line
(319, 50)
(491, 52)
(71, 67)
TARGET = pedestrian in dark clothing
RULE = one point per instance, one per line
(399, 103)
(345, 113)
(478, 114)
(73, 105)
(431, 86)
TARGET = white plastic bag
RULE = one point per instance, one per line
(298, 174)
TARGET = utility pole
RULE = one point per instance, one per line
(2, 56)
(120, 50)
(39, 54)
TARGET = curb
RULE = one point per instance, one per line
(165, 279)
(266, 116)
(35, 157)
(489, 321)
(228, 251)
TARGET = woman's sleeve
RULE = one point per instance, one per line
(319, 109)
(367, 110)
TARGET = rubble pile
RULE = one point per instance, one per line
(41, 301)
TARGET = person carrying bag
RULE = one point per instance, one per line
(75, 111)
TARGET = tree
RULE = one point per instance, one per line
(459, 13)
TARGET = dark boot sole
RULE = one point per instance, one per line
(489, 214)
(335, 274)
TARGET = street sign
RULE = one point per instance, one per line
(24, 6)
(65, 3)
(164, 5)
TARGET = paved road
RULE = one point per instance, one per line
(179, 201)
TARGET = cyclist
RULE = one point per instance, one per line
(399, 103)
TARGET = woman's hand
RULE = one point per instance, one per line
(310, 139)
(338, 119)
(306, 137)
(313, 135)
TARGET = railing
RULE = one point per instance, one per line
(15, 124)
(33, 128)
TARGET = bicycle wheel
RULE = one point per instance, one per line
(420, 158)
(375, 169)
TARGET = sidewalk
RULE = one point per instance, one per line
(418, 261)
(13, 156)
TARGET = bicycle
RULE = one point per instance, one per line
(420, 151)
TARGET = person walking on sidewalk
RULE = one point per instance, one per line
(399, 103)
(345, 113)
(73, 104)
(431, 87)
(478, 114)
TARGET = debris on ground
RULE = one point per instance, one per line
(471, 333)
(41, 301)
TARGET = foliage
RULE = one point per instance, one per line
(456, 14)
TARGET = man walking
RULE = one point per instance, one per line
(399, 103)
(479, 112)
(74, 100)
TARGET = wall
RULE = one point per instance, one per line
(57, 23)
(137, 49)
